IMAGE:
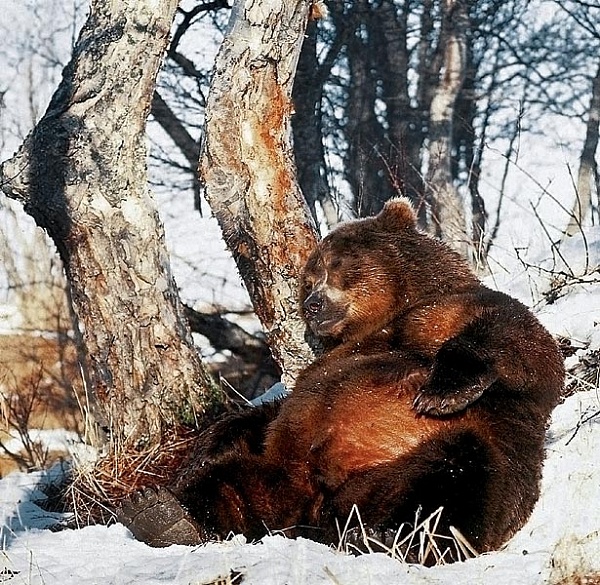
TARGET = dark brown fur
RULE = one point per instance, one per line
(434, 391)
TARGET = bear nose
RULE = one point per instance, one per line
(313, 303)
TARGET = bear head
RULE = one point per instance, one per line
(367, 272)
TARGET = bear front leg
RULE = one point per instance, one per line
(460, 374)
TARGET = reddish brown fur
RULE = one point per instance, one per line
(433, 391)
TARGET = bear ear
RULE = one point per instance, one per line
(397, 214)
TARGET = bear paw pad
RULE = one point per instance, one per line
(154, 516)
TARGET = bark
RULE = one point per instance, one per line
(447, 209)
(587, 176)
(81, 174)
(248, 169)
(369, 169)
(471, 148)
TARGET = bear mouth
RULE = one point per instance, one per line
(328, 327)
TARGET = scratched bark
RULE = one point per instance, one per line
(248, 169)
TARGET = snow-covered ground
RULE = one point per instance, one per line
(562, 536)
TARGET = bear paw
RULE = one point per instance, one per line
(460, 374)
(154, 516)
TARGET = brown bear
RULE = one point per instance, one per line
(433, 391)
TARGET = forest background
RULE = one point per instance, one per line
(484, 113)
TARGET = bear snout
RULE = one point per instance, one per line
(324, 315)
(314, 303)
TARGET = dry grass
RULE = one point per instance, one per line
(97, 489)
(39, 389)
(421, 543)
(581, 580)
(584, 374)
(234, 578)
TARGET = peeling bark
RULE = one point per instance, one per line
(81, 174)
(248, 169)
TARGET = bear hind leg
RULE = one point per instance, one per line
(154, 516)
(244, 494)
(452, 473)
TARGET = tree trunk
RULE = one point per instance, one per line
(247, 165)
(81, 174)
(369, 168)
(587, 175)
(447, 209)
(389, 44)
(471, 155)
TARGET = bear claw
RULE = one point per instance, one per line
(438, 404)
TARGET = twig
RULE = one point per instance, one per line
(580, 423)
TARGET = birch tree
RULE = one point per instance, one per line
(447, 208)
(587, 175)
(248, 169)
(81, 174)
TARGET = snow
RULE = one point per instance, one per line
(560, 537)
(10, 318)
(51, 439)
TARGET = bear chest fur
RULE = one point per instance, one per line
(349, 415)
